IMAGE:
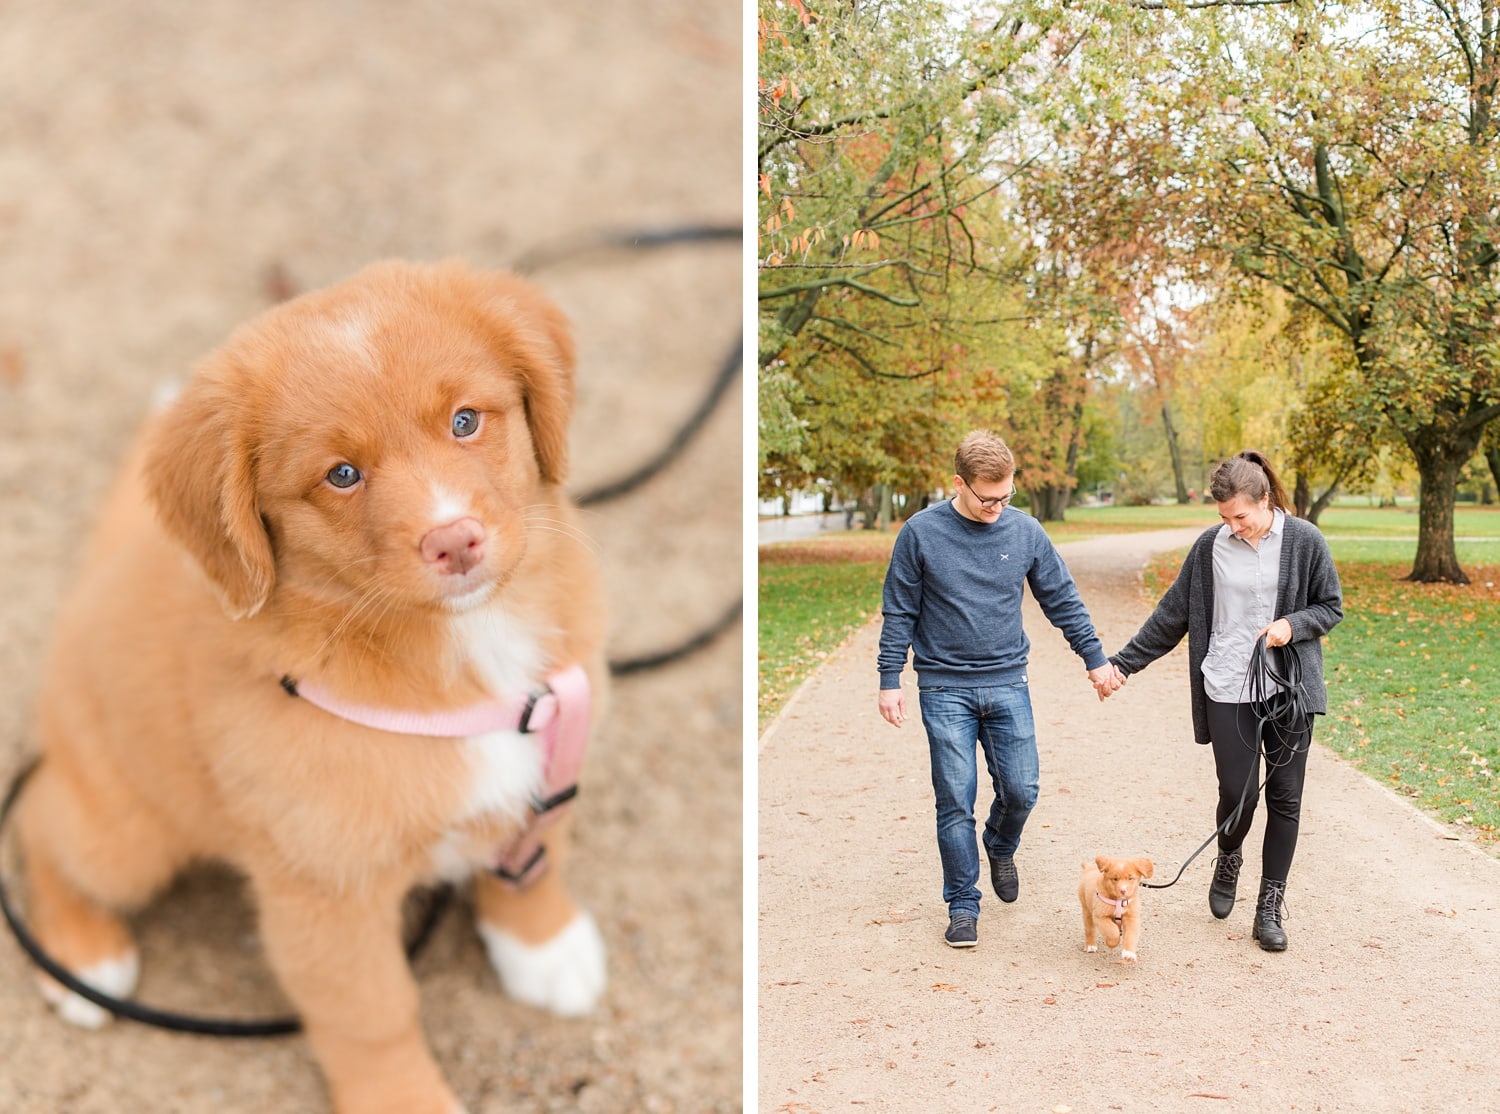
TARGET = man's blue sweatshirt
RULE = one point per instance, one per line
(953, 595)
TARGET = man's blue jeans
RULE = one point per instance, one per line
(1000, 719)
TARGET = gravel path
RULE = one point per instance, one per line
(1384, 1001)
(169, 168)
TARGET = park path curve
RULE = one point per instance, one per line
(1385, 1001)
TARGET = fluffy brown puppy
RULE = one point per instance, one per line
(361, 491)
(1109, 892)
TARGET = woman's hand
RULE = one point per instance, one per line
(1278, 633)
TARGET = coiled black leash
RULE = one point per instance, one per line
(1277, 699)
(437, 899)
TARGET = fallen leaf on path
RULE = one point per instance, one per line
(943, 986)
(12, 367)
(1207, 1095)
(1434, 911)
(1106, 985)
(1049, 1000)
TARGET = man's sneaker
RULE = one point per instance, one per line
(963, 930)
(1004, 878)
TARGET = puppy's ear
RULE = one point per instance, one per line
(200, 473)
(1103, 862)
(533, 336)
(1144, 867)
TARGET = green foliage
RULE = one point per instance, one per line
(900, 303)
(1343, 155)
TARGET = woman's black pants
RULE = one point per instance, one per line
(1233, 730)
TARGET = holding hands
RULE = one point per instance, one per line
(1107, 679)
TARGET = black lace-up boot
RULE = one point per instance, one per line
(1270, 907)
(1221, 891)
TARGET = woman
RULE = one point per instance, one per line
(1262, 572)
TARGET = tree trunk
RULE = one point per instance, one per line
(1049, 504)
(1440, 457)
(1302, 498)
(883, 514)
(1175, 450)
(1320, 504)
(1492, 455)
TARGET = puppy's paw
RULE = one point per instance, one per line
(116, 977)
(1091, 947)
(1126, 957)
(565, 975)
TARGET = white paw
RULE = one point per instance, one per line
(115, 977)
(1091, 947)
(1128, 957)
(565, 975)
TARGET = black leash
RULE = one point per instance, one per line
(438, 899)
(1277, 699)
(730, 366)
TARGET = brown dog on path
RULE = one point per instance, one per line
(1109, 894)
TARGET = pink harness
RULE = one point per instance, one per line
(558, 714)
(1119, 904)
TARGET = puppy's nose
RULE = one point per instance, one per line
(456, 547)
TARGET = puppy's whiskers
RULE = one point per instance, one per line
(545, 523)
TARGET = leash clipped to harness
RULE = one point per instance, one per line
(1277, 698)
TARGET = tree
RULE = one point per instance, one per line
(875, 163)
(1359, 176)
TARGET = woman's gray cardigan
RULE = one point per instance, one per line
(1309, 597)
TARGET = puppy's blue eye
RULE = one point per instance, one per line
(465, 422)
(343, 475)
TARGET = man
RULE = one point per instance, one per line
(953, 596)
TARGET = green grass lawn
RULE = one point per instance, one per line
(813, 595)
(1413, 669)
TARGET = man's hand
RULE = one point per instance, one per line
(1107, 679)
(893, 706)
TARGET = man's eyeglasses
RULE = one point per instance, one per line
(997, 501)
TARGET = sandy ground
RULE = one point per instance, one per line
(1384, 1001)
(168, 169)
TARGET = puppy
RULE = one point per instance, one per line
(339, 551)
(1109, 893)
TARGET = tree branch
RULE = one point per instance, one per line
(838, 280)
(866, 365)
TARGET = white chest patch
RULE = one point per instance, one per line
(504, 767)
(502, 648)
